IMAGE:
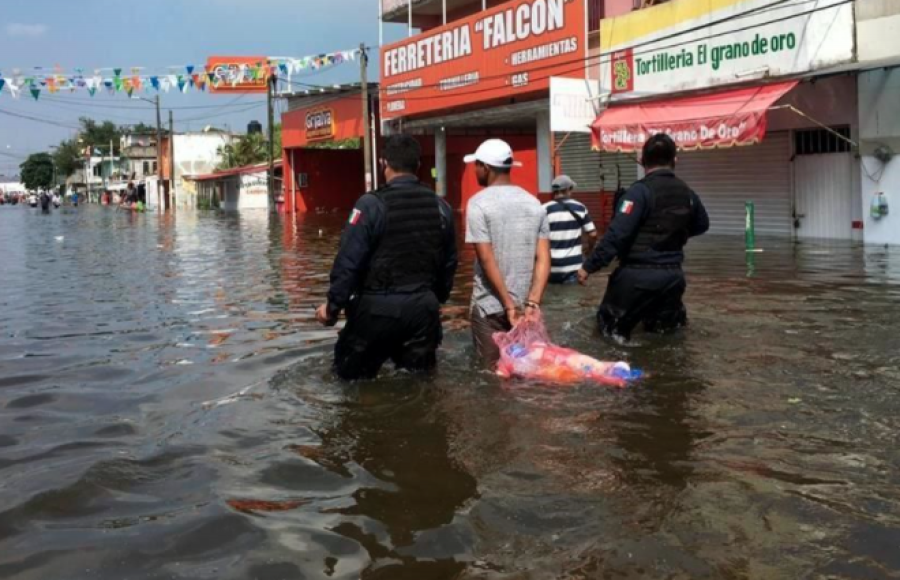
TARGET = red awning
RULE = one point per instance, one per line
(723, 119)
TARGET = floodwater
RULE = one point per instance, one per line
(167, 411)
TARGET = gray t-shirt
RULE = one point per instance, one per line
(511, 220)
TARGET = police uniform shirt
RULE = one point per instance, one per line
(633, 211)
(363, 230)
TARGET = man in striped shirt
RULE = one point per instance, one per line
(572, 233)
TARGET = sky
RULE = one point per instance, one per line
(94, 34)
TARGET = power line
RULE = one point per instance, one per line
(606, 57)
(38, 120)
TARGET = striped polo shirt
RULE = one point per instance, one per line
(565, 235)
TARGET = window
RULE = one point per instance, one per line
(302, 180)
(98, 171)
(818, 141)
(146, 168)
(155, 168)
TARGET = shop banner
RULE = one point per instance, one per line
(238, 74)
(718, 120)
(333, 120)
(573, 104)
(507, 51)
(748, 129)
(685, 45)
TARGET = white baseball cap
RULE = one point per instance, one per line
(495, 153)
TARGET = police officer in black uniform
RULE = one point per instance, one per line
(653, 223)
(394, 269)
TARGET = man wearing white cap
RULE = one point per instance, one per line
(572, 232)
(511, 235)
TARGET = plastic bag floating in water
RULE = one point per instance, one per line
(526, 352)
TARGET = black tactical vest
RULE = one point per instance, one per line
(667, 229)
(410, 253)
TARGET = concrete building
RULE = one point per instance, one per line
(238, 189)
(878, 38)
(460, 78)
(762, 100)
(139, 154)
(195, 153)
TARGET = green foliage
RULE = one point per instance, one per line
(68, 158)
(37, 171)
(349, 143)
(249, 150)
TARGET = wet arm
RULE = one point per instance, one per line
(700, 221)
(485, 254)
(622, 231)
(352, 261)
(541, 271)
(451, 256)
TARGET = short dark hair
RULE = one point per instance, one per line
(659, 151)
(402, 153)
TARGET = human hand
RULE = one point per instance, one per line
(513, 315)
(583, 276)
(322, 316)
(532, 310)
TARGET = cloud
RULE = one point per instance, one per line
(17, 29)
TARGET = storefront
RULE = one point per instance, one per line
(485, 75)
(322, 133)
(762, 112)
(237, 189)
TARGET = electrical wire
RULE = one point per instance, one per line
(45, 121)
(606, 57)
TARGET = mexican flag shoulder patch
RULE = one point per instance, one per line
(355, 217)
(627, 207)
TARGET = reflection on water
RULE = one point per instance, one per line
(167, 411)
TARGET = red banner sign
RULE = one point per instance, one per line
(747, 129)
(713, 120)
(238, 74)
(507, 51)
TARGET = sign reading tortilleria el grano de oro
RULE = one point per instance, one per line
(685, 45)
(510, 50)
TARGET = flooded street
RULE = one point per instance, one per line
(167, 411)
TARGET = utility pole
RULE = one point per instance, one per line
(171, 162)
(367, 135)
(158, 153)
(271, 148)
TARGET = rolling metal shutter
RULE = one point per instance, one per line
(727, 178)
(584, 166)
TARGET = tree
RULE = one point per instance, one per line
(250, 149)
(69, 156)
(37, 171)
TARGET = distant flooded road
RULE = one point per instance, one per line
(167, 411)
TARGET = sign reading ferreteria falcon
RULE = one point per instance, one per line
(510, 50)
(685, 44)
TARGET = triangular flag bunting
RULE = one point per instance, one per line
(119, 83)
(190, 69)
(92, 91)
(154, 82)
(181, 83)
(2, 82)
(117, 72)
(36, 93)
